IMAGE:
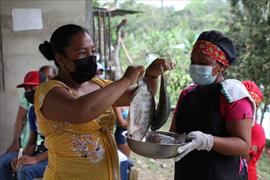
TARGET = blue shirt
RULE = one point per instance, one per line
(32, 119)
(33, 127)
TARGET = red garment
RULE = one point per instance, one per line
(254, 91)
(257, 139)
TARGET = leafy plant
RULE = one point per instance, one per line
(250, 28)
(169, 34)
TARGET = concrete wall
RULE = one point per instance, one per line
(20, 50)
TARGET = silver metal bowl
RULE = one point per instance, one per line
(157, 150)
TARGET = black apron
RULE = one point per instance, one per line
(199, 110)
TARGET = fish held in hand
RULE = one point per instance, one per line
(164, 105)
(141, 111)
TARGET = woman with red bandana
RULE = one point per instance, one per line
(257, 134)
(216, 114)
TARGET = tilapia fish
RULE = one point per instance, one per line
(164, 105)
(141, 111)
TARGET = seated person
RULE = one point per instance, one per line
(35, 157)
(21, 126)
(21, 133)
(121, 141)
(121, 126)
(31, 81)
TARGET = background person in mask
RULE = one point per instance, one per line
(74, 110)
(257, 134)
(31, 80)
(21, 130)
(215, 113)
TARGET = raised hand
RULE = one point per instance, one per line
(157, 67)
(133, 73)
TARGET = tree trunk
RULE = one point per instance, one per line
(115, 53)
(117, 71)
(263, 112)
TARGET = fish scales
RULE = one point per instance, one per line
(141, 112)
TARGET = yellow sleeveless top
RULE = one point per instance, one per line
(83, 151)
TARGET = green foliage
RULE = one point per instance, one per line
(250, 28)
(95, 3)
(169, 34)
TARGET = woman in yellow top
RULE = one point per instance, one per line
(74, 110)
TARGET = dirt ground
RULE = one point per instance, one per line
(150, 169)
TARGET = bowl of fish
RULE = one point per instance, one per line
(157, 144)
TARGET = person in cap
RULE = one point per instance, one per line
(76, 108)
(31, 80)
(216, 114)
(258, 139)
(21, 127)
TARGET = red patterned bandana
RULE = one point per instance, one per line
(211, 50)
(254, 91)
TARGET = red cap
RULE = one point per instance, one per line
(254, 91)
(30, 79)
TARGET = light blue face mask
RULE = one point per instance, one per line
(201, 75)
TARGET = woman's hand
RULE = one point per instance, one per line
(133, 73)
(157, 67)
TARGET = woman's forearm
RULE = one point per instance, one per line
(85, 108)
(231, 146)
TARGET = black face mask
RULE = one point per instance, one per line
(30, 96)
(85, 69)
